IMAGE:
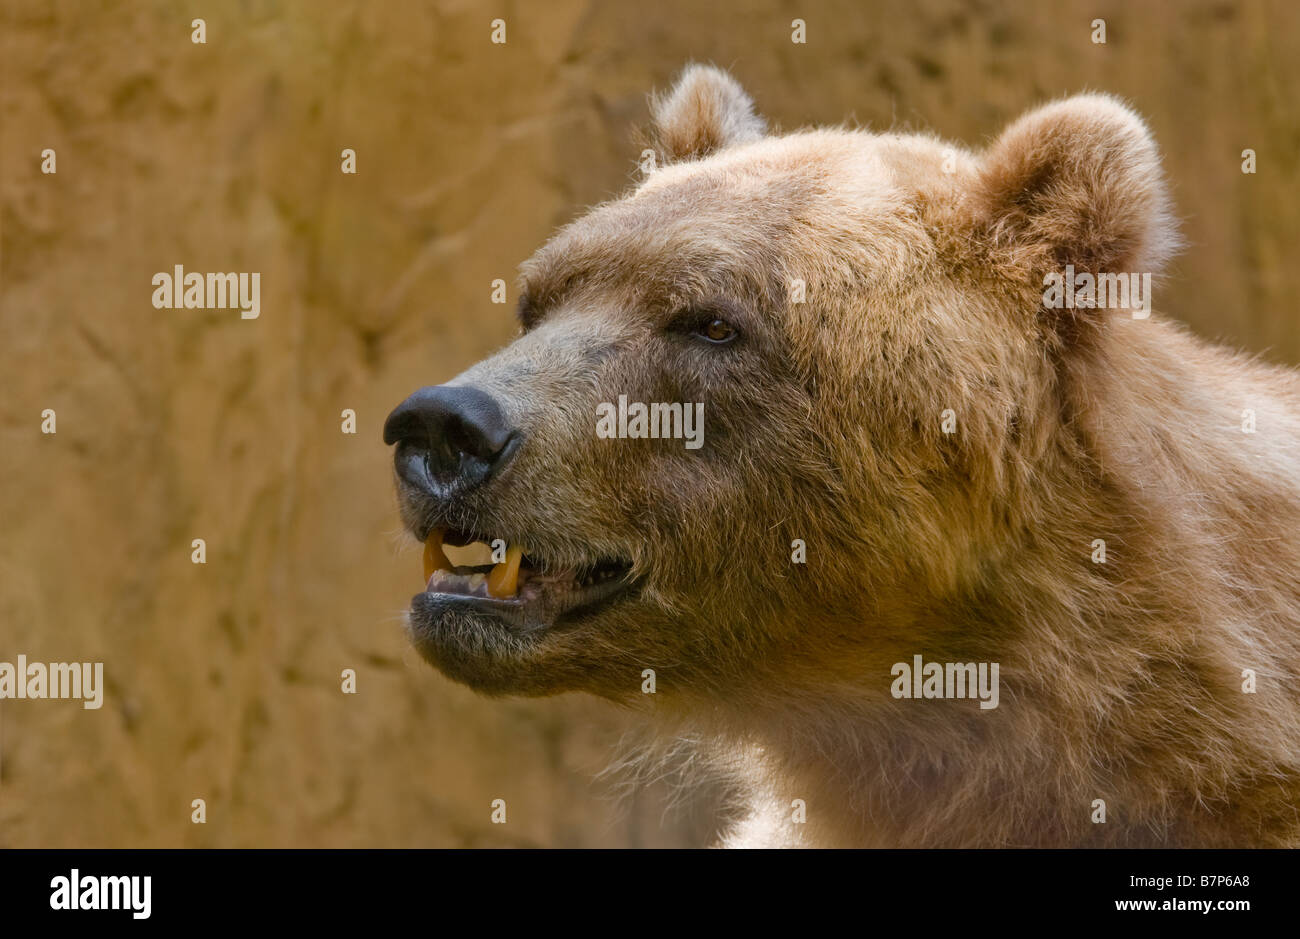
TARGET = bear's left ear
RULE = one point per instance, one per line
(706, 111)
(1077, 182)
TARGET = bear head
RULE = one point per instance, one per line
(775, 409)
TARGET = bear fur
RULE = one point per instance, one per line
(948, 449)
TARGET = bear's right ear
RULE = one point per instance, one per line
(706, 111)
(1076, 182)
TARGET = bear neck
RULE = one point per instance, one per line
(1102, 664)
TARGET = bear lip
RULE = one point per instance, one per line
(560, 597)
(544, 595)
(531, 610)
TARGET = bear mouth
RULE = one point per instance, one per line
(469, 572)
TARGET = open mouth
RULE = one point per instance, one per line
(494, 576)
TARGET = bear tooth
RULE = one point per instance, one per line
(503, 581)
(435, 559)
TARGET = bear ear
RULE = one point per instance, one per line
(1077, 182)
(706, 111)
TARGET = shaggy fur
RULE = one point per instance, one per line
(924, 266)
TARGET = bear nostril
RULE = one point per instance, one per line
(459, 438)
(449, 437)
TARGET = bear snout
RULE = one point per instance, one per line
(449, 439)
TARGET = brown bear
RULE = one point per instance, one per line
(846, 458)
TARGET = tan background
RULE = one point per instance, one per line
(223, 679)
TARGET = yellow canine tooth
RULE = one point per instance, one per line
(503, 580)
(434, 557)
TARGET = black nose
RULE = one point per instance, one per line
(450, 437)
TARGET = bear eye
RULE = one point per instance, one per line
(716, 331)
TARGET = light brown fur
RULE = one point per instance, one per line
(1119, 681)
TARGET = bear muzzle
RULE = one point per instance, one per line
(452, 439)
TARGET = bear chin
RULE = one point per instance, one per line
(498, 648)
